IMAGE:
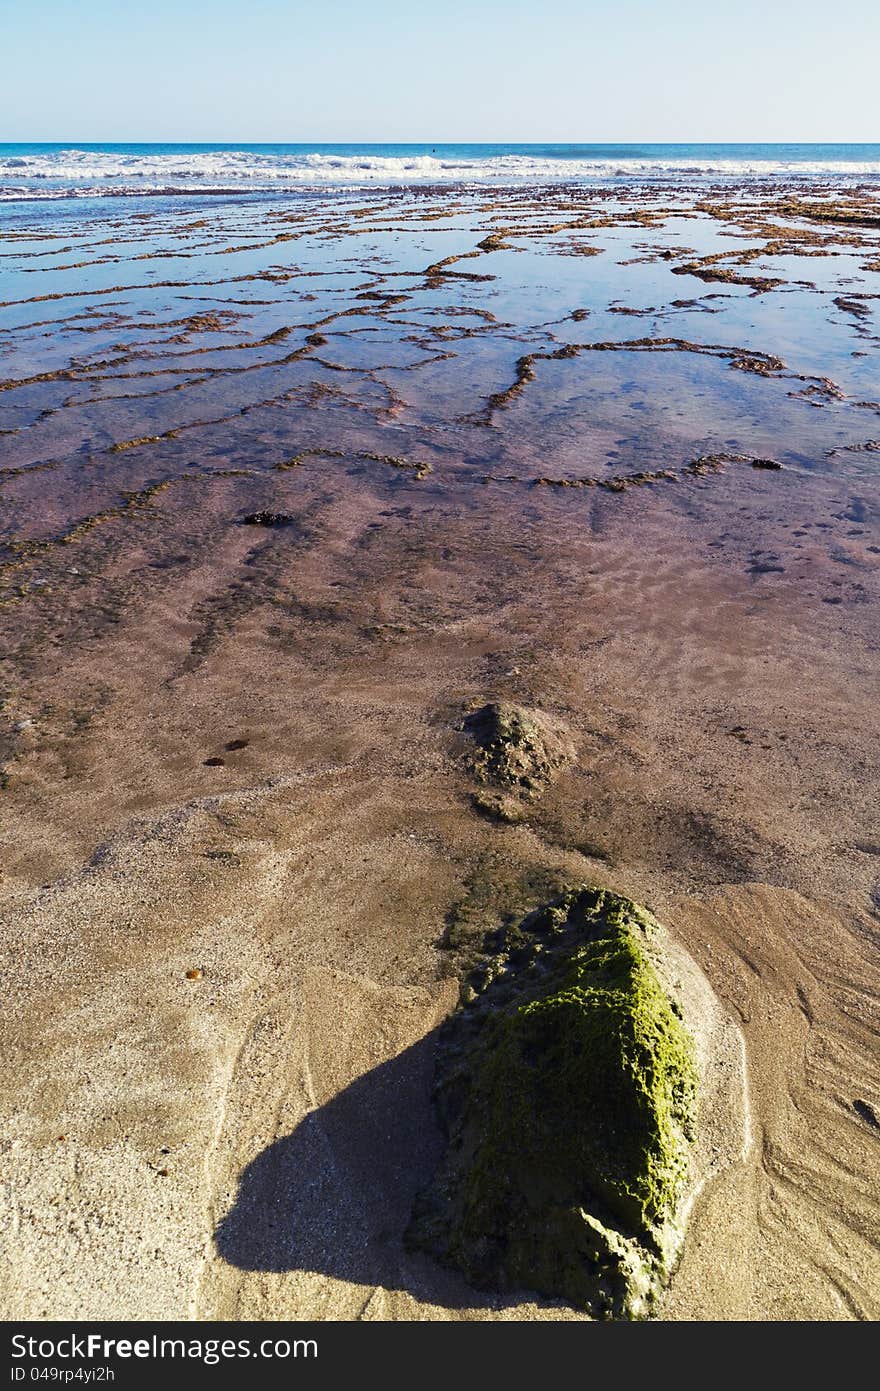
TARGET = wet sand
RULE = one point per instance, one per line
(521, 449)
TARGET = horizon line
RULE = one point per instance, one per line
(432, 141)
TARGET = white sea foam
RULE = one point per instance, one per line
(88, 173)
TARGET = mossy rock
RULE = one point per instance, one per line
(567, 1089)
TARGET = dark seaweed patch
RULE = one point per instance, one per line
(268, 519)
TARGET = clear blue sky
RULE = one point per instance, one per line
(395, 70)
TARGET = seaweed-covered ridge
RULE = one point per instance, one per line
(566, 1084)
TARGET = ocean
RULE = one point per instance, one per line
(72, 170)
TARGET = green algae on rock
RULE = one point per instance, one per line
(567, 1089)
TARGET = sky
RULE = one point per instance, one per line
(404, 70)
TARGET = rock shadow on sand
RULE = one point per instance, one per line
(335, 1196)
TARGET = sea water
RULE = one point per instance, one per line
(72, 170)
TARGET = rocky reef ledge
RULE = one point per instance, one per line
(567, 1085)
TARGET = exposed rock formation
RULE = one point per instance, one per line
(567, 1087)
(517, 753)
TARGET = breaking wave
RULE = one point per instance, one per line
(70, 172)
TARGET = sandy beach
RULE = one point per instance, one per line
(290, 487)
